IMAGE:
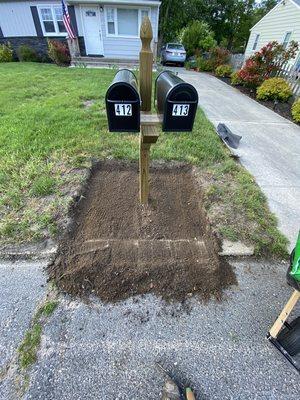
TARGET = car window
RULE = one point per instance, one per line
(174, 46)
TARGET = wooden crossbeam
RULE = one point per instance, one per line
(279, 323)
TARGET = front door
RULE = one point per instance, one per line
(92, 30)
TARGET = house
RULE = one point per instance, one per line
(282, 24)
(107, 28)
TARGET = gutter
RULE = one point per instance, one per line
(120, 2)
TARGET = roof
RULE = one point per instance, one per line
(117, 2)
(295, 2)
(151, 2)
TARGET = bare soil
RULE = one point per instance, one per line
(117, 248)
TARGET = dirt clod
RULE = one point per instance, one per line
(117, 248)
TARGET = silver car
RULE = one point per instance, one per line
(173, 53)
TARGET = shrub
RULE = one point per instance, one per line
(274, 89)
(235, 78)
(204, 65)
(6, 53)
(224, 70)
(26, 53)
(197, 37)
(296, 110)
(188, 65)
(219, 56)
(59, 52)
(266, 62)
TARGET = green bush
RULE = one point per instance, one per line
(59, 52)
(204, 65)
(26, 53)
(197, 37)
(296, 110)
(274, 89)
(6, 53)
(235, 78)
(219, 56)
(224, 70)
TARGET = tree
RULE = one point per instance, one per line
(230, 20)
(198, 37)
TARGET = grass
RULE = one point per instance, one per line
(47, 137)
(43, 186)
(46, 309)
(29, 347)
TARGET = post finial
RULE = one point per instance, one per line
(146, 33)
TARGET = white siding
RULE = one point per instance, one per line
(128, 48)
(118, 47)
(282, 19)
(16, 19)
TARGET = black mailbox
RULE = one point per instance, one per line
(177, 101)
(123, 104)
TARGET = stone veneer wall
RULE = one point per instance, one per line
(39, 44)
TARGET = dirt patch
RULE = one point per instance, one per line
(117, 248)
(283, 109)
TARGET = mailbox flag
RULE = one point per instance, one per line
(67, 20)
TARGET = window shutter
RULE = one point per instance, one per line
(36, 20)
(72, 14)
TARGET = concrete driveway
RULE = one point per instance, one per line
(270, 148)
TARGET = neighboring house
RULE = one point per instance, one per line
(282, 24)
(104, 28)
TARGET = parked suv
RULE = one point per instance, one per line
(173, 53)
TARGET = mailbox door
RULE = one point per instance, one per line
(123, 115)
(179, 116)
(123, 107)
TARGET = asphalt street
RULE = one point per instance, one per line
(92, 350)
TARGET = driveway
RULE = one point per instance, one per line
(270, 148)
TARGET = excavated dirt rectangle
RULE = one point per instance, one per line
(118, 248)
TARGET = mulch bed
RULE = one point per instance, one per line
(117, 248)
(283, 109)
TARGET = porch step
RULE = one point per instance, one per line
(103, 61)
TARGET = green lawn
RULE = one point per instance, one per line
(48, 137)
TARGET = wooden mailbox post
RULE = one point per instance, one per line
(149, 132)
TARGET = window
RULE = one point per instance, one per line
(59, 19)
(144, 13)
(255, 41)
(52, 20)
(121, 21)
(175, 46)
(286, 39)
(128, 22)
(110, 12)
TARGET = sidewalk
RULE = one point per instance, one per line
(269, 149)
